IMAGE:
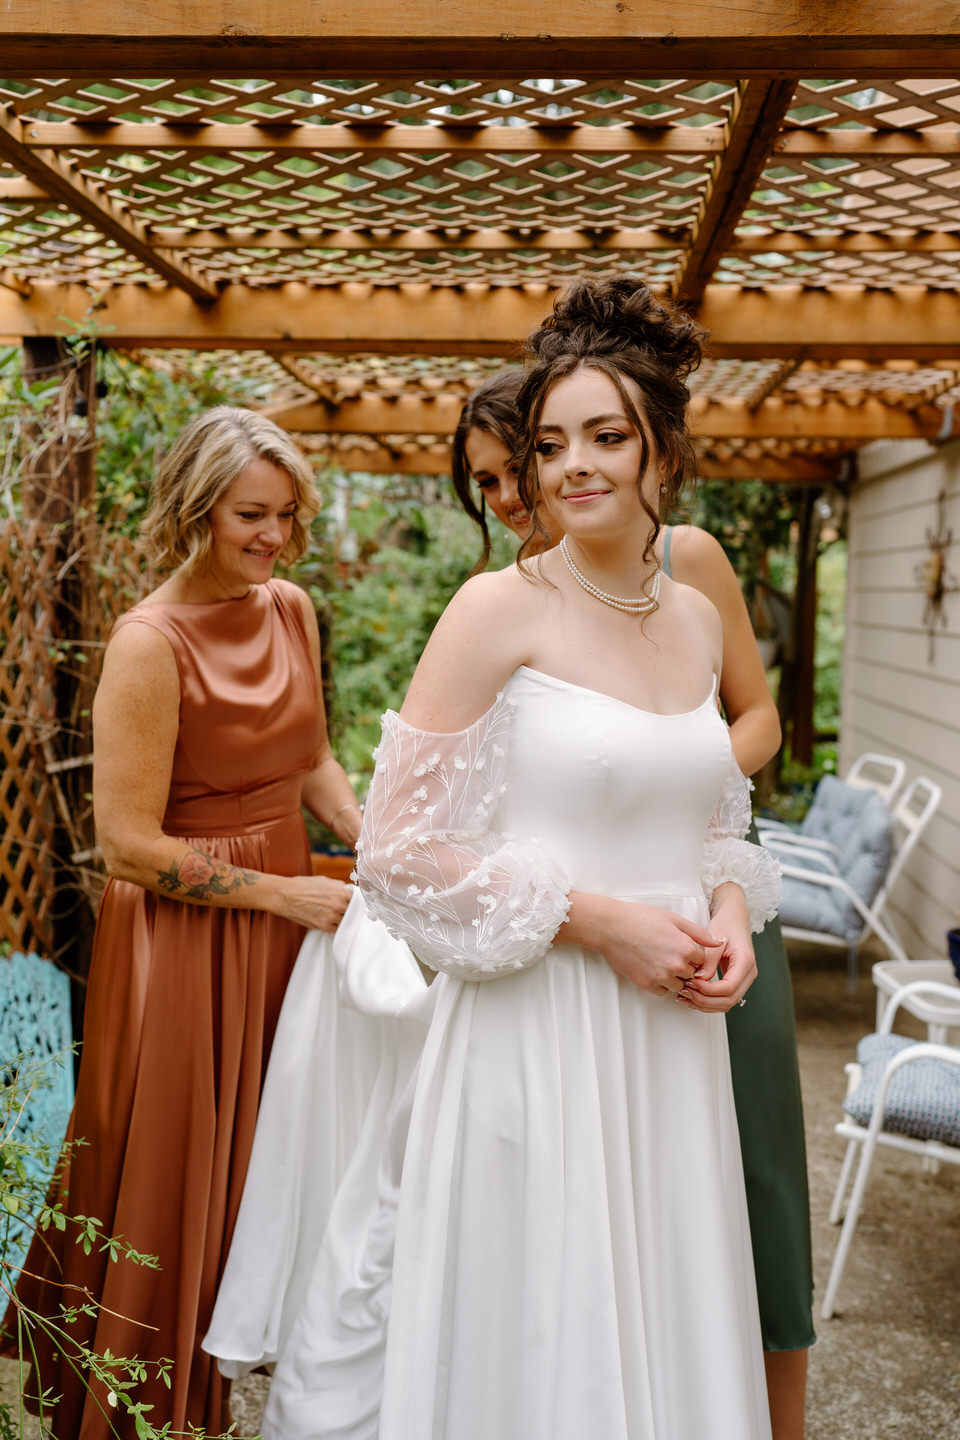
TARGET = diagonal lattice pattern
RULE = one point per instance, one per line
(466, 102)
(265, 182)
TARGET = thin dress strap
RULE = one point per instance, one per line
(667, 534)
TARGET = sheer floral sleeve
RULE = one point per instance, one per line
(467, 900)
(728, 856)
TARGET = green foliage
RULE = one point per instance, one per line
(794, 794)
(381, 608)
(24, 1161)
(750, 518)
(831, 624)
(140, 415)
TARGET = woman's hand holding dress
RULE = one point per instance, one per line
(313, 901)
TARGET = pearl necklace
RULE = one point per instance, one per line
(631, 607)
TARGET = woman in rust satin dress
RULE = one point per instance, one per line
(209, 733)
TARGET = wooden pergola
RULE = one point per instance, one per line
(369, 205)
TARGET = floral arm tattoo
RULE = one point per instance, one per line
(200, 877)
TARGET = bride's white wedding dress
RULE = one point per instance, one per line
(547, 1239)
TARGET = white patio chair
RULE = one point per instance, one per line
(870, 771)
(882, 773)
(836, 893)
(908, 1093)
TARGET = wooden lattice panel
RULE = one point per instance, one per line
(30, 729)
(880, 105)
(375, 102)
(888, 166)
(935, 270)
(905, 385)
(251, 374)
(300, 187)
(27, 561)
(271, 189)
(317, 266)
(261, 378)
(124, 576)
(45, 241)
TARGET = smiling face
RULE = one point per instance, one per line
(494, 472)
(590, 455)
(250, 525)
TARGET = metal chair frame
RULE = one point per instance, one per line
(821, 869)
(872, 1135)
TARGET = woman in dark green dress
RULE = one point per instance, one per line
(761, 1034)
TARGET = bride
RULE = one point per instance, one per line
(554, 1244)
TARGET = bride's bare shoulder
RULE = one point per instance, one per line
(495, 591)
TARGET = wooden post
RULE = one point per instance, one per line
(59, 492)
(798, 701)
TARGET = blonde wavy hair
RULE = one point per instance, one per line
(202, 465)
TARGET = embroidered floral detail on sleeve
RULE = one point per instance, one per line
(467, 900)
(727, 856)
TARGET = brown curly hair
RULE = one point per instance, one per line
(618, 327)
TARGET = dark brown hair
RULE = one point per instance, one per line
(618, 327)
(491, 408)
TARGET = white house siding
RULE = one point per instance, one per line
(895, 699)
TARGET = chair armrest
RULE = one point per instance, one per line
(811, 843)
(816, 877)
(799, 856)
(921, 987)
(774, 826)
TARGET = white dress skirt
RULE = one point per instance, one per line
(543, 1233)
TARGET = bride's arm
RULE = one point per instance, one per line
(742, 883)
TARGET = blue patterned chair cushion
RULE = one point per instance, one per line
(857, 822)
(924, 1096)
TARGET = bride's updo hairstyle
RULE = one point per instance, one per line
(618, 327)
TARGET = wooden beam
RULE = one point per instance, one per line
(779, 322)
(868, 144)
(826, 419)
(371, 415)
(775, 418)
(616, 242)
(789, 242)
(14, 188)
(46, 169)
(377, 142)
(480, 37)
(10, 280)
(381, 460)
(754, 122)
(361, 241)
(792, 470)
(550, 141)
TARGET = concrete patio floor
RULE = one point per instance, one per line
(888, 1366)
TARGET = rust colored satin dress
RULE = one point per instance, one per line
(181, 1010)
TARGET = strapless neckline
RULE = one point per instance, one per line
(542, 676)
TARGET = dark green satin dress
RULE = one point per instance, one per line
(766, 1087)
